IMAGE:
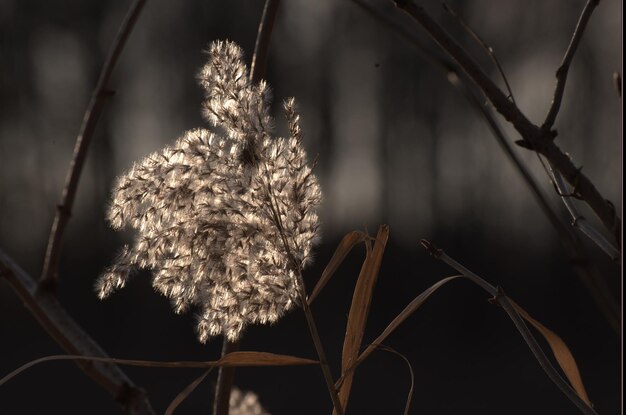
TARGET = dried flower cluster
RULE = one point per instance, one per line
(225, 224)
(244, 403)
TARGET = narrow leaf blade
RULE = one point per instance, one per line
(184, 394)
(400, 318)
(236, 359)
(561, 352)
(343, 249)
(359, 309)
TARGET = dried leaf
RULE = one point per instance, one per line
(235, 359)
(404, 314)
(359, 309)
(561, 352)
(409, 397)
(345, 246)
(184, 394)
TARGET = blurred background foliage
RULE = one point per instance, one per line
(396, 144)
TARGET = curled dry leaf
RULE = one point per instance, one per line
(561, 352)
(359, 310)
(343, 249)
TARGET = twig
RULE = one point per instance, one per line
(262, 45)
(49, 279)
(502, 300)
(561, 73)
(533, 137)
(579, 221)
(484, 45)
(226, 375)
(573, 249)
(73, 339)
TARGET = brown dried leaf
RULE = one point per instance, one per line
(184, 394)
(234, 359)
(345, 246)
(561, 352)
(359, 310)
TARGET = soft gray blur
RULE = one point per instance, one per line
(396, 143)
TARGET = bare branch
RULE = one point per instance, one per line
(49, 278)
(484, 45)
(534, 137)
(561, 73)
(44, 306)
(579, 221)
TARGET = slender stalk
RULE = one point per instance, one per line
(561, 73)
(73, 339)
(484, 45)
(225, 380)
(226, 375)
(328, 377)
(579, 221)
(501, 299)
(262, 45)
(49, 278)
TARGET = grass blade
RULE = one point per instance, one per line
(235, 359)
(343, 249)
(561, 352)
(359, 310)
(184, 394)
(404, 314)
(409, 397)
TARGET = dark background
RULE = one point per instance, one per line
(396, 144)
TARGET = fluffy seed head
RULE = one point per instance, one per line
(224, 223)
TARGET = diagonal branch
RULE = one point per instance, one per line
(49, 279)
(561, 73)
(44, 306)
(574, 250)
(533, 136)
(579, 221)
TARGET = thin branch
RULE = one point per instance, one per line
(534, 137)
(502, 300)
(484, 45)
(579, 221)
(226, 375)
(73, 339)
(49, 279)
(594, 281)
(561, 73)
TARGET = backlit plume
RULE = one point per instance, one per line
(224, 223)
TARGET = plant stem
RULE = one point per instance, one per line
(73, 339)
(225, 380)
(328, 377)
(49, 279)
